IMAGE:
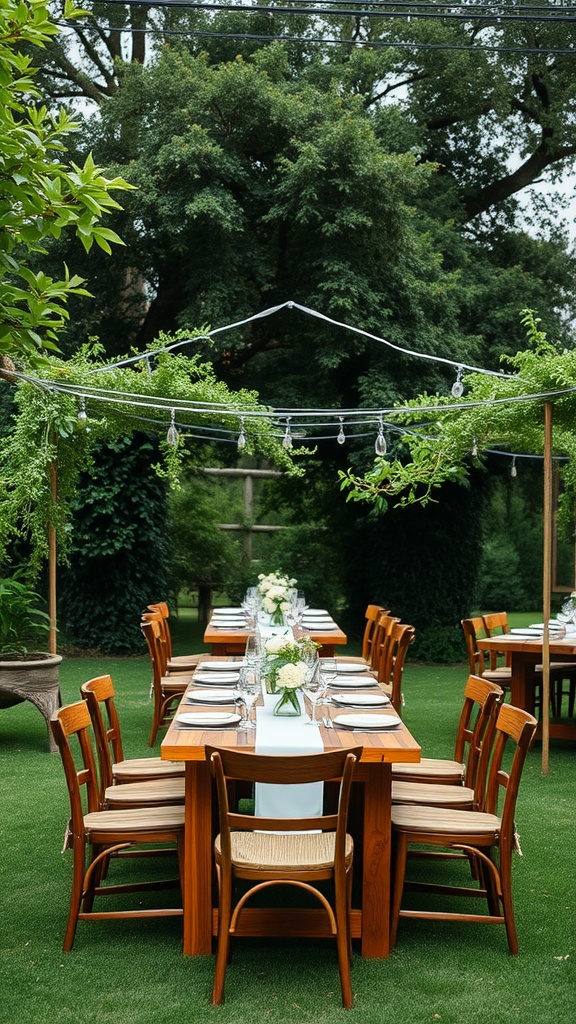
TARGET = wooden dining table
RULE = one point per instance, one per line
(227, 641)
(370, 920)
(525, 653)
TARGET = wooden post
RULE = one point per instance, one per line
(545, 696)
(52, 563)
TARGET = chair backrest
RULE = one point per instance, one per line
(476, 730)
(473, 629)
(372, 615)
(162, 610)
(99, 694)
(240, 765)
(496, 624)
(392, 656)
(519, 726)
(154, 634)
(68, 721)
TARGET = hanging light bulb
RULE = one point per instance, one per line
(514, 471)
(475, 447)
(380, 446)
(242, 439)
(458, 387)
(341, 435)
(172, 435)
(287, 439)
(82, 417)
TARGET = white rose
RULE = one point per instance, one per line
(268, 605)
(275, 644)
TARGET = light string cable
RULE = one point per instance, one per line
(457, 363)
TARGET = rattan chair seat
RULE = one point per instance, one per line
(445, 820)
(141, 819)
(142, 768)
(161, 792)
(461, 797)
(428, 767)
(275, 852)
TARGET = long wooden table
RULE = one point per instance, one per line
(233, 641)
(370, 921)
(525, 654)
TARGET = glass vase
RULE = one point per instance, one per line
(289, 704)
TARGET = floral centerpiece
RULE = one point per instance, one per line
(288, 663)
(274, 589)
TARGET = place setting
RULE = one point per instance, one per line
(208, 678)
(366, 722)
(359, 700)
(207, 719)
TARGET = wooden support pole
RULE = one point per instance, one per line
(546, 586)
(52, 564)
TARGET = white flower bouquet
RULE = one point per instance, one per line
(287, 662)
(274, 589)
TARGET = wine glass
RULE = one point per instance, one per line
(249, 686)
(314, 687)
(328, 670)
(253, 652)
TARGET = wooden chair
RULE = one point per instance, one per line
(390, 661)
(460, 771)
(104, 833)
(487, 697)
(178, 663)
(473, 629)
(167, 690)
(150, 792)
(373, 617)
(483, 836)
(561, 672)
(278, 855)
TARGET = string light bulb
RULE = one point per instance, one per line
(380, 446)
(341, 435)
(475, 448)
(172, 435)
(82, 416)
(242, 439)
(287, 439)
(514, 471)
(458, 387)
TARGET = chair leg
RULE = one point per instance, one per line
(343, 943)
(78, 871)
(400, 857)
(507, 905)
(224, 913)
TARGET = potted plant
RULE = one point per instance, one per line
(26, 672)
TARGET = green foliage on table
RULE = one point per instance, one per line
(40, 195)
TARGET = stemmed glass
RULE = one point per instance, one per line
(328, 670)
(253, 652)
(249, 686)
(314, 687)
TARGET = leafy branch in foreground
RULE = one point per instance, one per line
(505, 411)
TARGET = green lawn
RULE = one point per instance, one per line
(134, 972)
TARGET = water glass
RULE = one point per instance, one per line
(249, 686)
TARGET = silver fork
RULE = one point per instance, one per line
(328, 723)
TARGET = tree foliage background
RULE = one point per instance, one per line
(375, 168)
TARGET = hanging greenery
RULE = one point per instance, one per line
(62, 414)
(445, 439)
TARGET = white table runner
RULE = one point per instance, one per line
(284, 735)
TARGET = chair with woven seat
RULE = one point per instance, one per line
(157, 789)
(167, 691)
(105, 833)
(485, 837)
(283, 853)
(460, 770)
(174, 663)
(100, 696)
(486, 698)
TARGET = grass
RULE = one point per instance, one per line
(134, 972)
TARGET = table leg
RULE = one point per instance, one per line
(376, 860)
(197, 881)
(523, 680)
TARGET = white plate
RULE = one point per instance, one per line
(228, 612)
(208, 719)
(229, 624)
(317, 613)
(221, 666)
(528, 632)
(353, 682)
(223, 677)
(367, 721)
(349, 666)
(376, 700)
(212, 696)
(319, 625)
